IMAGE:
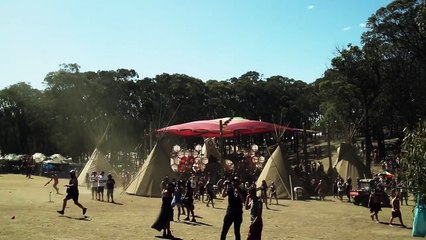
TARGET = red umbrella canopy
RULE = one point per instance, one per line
(231, 127)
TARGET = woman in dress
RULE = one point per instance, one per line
(166, 212)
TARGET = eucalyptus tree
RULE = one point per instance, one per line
(179, 98)
(398, 31)
(221, 100)
(363, 70)
(247, 94)
(341, 110)
(23, 120)
(68, 93)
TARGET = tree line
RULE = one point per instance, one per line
(374, 90)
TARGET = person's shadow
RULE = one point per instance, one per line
(78, 218)
(174, 238)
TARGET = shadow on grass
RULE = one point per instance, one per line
(219, 208)
(175, 238)
(396, 225)
(78, 218)
(196, 223)
(273, 210)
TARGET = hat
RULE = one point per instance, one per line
(236, 179)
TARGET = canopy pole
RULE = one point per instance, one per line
(291, 187)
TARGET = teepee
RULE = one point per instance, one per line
(210, 149)
(147, 182)
(98, 163)
(278, 170)
(349, 164)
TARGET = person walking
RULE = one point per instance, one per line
(166, 213)
(72, 193)
(272, 193)
(210, 193)
(374, 205)
(188, 203)
(263, 193)
(348, 188)
(234, 212)
(321, 189)
(177, 199)
(396, 212)
(254, 203)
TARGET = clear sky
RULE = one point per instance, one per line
(206, 39)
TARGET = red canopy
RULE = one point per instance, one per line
(231, 127)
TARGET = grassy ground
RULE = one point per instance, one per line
(36, 217)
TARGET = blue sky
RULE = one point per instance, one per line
(216, 39)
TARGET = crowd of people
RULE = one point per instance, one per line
(183, 193)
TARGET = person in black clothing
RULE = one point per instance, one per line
(110, 188)
(72, 193)
(234, 212)
(166, 212)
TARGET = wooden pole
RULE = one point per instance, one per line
(291, 187)
(330, 167)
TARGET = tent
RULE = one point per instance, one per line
(147, 182)
(210, 149)
(349, 164)
(278, 170)
(98, 163)
(39, 157)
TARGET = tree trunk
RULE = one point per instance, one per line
(368, 145)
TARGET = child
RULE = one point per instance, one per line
(177, 199)
(273, 193)
(55, 179)
(110, 188)
(396, 212)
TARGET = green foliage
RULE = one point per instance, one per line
(414, 157)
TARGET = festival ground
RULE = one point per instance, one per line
(27, 201)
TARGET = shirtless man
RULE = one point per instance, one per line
(55, 179)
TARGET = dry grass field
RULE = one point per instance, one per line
(36, 217)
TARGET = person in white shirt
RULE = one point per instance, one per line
(93, 181)
(102, 179)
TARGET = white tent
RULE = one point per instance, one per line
(147, 182)
(210, 149)
(98, 163)
(349, 164)
(277, 169)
